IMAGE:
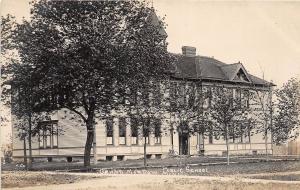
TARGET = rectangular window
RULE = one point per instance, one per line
(145, 96)
(242, 136)
(157, 95)
(237, 96)
(122, 130)
(133, 97)
(191, 96)
(248, 134)
(210, 137)
(182, 94)
(173, 95)
(157, 131)
(48, 134)
(231, 133)
(243, 133)
(146, 130)
(245, 96)
(207, 96)
(109, 131)
(134, 130)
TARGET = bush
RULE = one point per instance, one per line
(7, 153)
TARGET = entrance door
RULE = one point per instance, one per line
(183, 144)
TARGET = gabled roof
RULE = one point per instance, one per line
(208, 68)
(232, 71)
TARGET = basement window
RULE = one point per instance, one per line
(120, 157)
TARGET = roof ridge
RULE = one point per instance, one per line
(231, 64)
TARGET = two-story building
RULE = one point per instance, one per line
(117, 139)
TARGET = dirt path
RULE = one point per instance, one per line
(161, 182)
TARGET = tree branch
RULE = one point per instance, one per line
(76, 111)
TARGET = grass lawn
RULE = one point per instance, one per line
(25, 179)
(289, 177)
(62, 164)
(248, 174)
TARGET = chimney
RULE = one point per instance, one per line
(188, 51)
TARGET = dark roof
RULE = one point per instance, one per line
(208, 68)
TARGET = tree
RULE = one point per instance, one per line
(22, 107)
(7, 25)
(24, 98)
(187, 107)
(7, 56)
(264, 112)
(84, 54)
(287, 118)
(227, 112)
(146, 106)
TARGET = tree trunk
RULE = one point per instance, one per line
(25, 153)
(94, 146)
(89, 141)
(227, 144)
(145, 151)
(172, 139)
(266, 142)
(199, 143)
(29, 142)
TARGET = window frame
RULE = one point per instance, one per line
(157, 135)
(109, 131)
(122, 130)
(47, 133)
(134, 130)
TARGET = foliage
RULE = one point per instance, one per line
(229, 114)
(7, 56)
(6, 149)
(186, 105)
(146, 107)
(83, 55)
(287, 118)
(7, 25)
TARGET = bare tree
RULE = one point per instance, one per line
(264, 112)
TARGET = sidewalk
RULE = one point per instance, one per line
(153, 182)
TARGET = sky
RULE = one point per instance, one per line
(264, 36)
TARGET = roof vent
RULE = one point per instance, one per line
(188, 51)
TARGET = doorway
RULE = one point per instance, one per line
(184, 144)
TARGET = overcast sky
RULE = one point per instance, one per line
(264, 36)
